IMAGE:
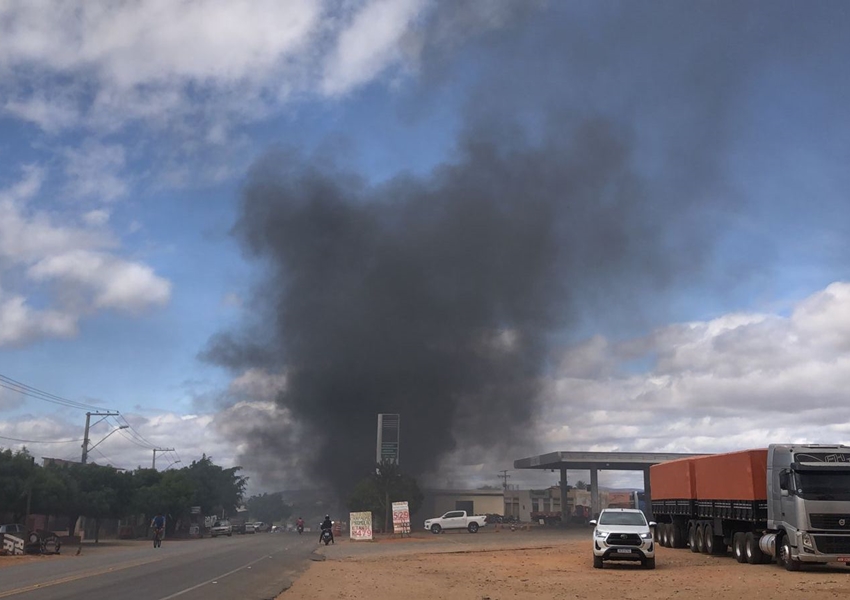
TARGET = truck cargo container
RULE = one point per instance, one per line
(789, 503)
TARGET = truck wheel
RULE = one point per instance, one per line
(714, 544)
(597, 562)
(785, 555)
(668, 535)
(677, 537)
(692, 538)
(739, 541)
(751, 548)
(473, 528)
(708, 539)
(649, 563)
(662, 534)
(436, 528)
(700, 535)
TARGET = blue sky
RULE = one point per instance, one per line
(127, 136)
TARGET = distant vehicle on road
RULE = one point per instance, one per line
(250, 528)
(261, 526)
(221, 528)
(456, 519)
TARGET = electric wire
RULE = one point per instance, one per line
(33, 392)
(3, 437)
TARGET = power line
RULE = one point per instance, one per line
(33, 392)
(3, 437)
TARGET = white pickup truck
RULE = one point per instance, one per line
(456, 519)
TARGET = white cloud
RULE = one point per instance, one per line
(103, 65)
(96, 218)
(112, 282)
(733, 382)
(369, 44)
(77, 268)
(93, 171)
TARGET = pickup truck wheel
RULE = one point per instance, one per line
(473, 528)
(436, 528)
(597, 562)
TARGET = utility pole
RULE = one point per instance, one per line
(155, 450)
(504, 476)
(89, 415)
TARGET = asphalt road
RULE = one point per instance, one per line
(249, 567)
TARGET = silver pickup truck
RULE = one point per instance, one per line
(456, 519)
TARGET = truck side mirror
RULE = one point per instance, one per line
(592, 522)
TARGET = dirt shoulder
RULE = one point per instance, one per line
(545, 566)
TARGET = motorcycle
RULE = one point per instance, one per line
(326, 536)
(300, 529)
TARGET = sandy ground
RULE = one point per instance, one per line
(543, 566)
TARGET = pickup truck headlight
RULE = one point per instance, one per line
(647, 535)
(599, 534)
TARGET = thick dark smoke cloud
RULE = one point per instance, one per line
(438, 297)
(588, 176)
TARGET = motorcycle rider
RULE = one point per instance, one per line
(299, 524)
(327, 525)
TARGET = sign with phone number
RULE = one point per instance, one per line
(360, 528)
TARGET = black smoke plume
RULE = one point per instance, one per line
(437, 297)
(588, 177)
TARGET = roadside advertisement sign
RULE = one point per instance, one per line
(401, 517)
(361, 526)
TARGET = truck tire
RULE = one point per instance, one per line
(751, 548)
(739, 542)
(597, 562)
(692, 538)
(785, 555)
(677, 536)
(473, 527)
(649, 563)
(436, 528)
(668, 535)
(700, 536)
(708, 539)
(714, 544)
(663, 534)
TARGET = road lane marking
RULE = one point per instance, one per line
(95, 573)
(215, 579)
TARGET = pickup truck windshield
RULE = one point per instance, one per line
(823, 485)
(618, 518)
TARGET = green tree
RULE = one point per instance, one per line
(378, 491)
(268, 507)
(216, 489)
(17, 474)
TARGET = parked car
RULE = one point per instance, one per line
(14, 529)
(623, 534)
(456, 519)
(249, 528)
(221, 528)
(260, 526)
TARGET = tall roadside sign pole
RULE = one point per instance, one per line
(388, 438)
